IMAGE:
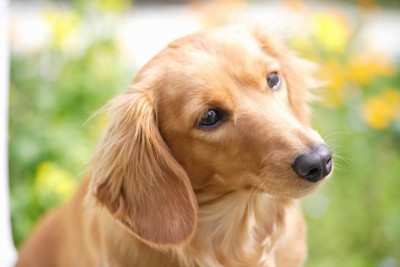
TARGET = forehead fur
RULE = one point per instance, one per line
(214, 58)
(231, 48)
(220, 42)
(225, 58)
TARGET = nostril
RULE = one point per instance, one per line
(313, 172)
(315, 165)
(328, 165)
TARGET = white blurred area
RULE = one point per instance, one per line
(146, 29)
(8, 253)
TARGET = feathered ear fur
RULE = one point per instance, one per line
(299, 73)
(137, 179)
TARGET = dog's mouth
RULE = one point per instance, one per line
(295, 190)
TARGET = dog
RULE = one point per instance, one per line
(202, 163)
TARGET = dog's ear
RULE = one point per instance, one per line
(137, 179)
(299, 73)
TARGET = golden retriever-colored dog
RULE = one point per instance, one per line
(201, 164)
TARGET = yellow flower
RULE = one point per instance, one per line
(112, 5)
(52, 180)
(334, 74)
(63, 25)
(379, 111)
(331, 30)
(365, 67)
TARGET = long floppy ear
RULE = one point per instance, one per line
(137, 179)
(299, 73)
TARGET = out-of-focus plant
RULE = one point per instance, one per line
(355, 217)
(53, 92)
(382, 109)
(355, 75)
(63, 28)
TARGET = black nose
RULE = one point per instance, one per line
(315, 165)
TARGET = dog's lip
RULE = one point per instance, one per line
(307, 187)
(300, 189)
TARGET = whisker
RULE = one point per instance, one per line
(340, 170)
(265, 158)
(343, 159)
(331, 134)
(255, 189)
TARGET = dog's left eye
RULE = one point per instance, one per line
(274, 81)
(210, 119)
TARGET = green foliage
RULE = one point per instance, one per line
(53, 94)
(353, 221)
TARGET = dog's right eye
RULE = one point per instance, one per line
(210, 119)
(274, 81)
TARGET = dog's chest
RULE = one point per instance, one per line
(239, 230)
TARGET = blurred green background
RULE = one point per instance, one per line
(56, 86)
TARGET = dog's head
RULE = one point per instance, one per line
(217, 111)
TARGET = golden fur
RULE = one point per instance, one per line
(160, 191)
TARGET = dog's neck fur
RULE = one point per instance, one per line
(236, 229)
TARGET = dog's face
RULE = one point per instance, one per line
(216, 111)
(232, 108)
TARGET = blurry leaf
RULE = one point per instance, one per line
(53, 182)
(63, 24)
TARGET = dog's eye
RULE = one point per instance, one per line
(274, 81)
(211, 118)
